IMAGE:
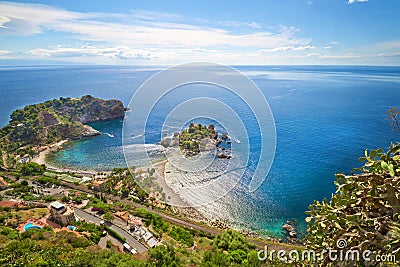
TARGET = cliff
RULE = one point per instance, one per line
(57, 119)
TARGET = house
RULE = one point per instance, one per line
(123, 215)
(97, 184)
(61, 213)
(3, 184)
(147, 236)
(152, 242)
(24, 160)
(128, 218)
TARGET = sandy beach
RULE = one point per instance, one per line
(178, 204)
(41, 159)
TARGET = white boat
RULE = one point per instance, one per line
(110, 135)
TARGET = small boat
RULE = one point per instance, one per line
(110, 135)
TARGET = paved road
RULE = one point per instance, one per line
(129, 239)
(116, 242)
(188, 224)
(260, 243)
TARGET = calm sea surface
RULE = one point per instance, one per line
(325, 117)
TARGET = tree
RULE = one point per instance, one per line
(163, 256)
(109, 216)
(124, 192)
(364, 211)
(231, 249)
(230, 240)
(32, 168)
(181, 235)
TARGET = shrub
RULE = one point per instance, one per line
(364, 211)
(32, 168)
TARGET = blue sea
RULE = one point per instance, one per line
(325, 117)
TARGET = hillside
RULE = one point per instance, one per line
(57, 119)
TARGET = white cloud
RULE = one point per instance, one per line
(137, 28)
(152, 15)
(337, 56)
(287, 48)
(3, 21)
(233, 23)
(118, 52)
(354, 1)
(4, 52)
(390, 55)
(165, 38)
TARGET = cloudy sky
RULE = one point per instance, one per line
(357, 32)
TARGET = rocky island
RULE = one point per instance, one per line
(55, 120)
(196, 139)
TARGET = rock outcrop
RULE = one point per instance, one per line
(57, 119)
(95, 109)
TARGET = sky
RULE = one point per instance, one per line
(165, 32)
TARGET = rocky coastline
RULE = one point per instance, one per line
(198, 138)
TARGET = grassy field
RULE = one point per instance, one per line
(23, 215)
(68, 178)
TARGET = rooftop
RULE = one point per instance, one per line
(152, 242)
(57, 205)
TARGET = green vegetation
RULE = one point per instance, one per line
(115, 234)
(231, 249)
(126, 181)
(49, 122)
(163, 256)
(13, 217)
(19, 188)
(153, 220)
(94, 230)
(43, 247)
(190, 139)
(181, 235)
(364, 211)
(108, 216)
(70, 179)
(32, 168)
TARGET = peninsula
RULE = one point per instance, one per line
(47, 123)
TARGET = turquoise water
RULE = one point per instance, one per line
(98, 153)
(31, 225)
(325, 117)
(71, 227)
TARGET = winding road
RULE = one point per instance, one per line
(258, 242)
(129, 239)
